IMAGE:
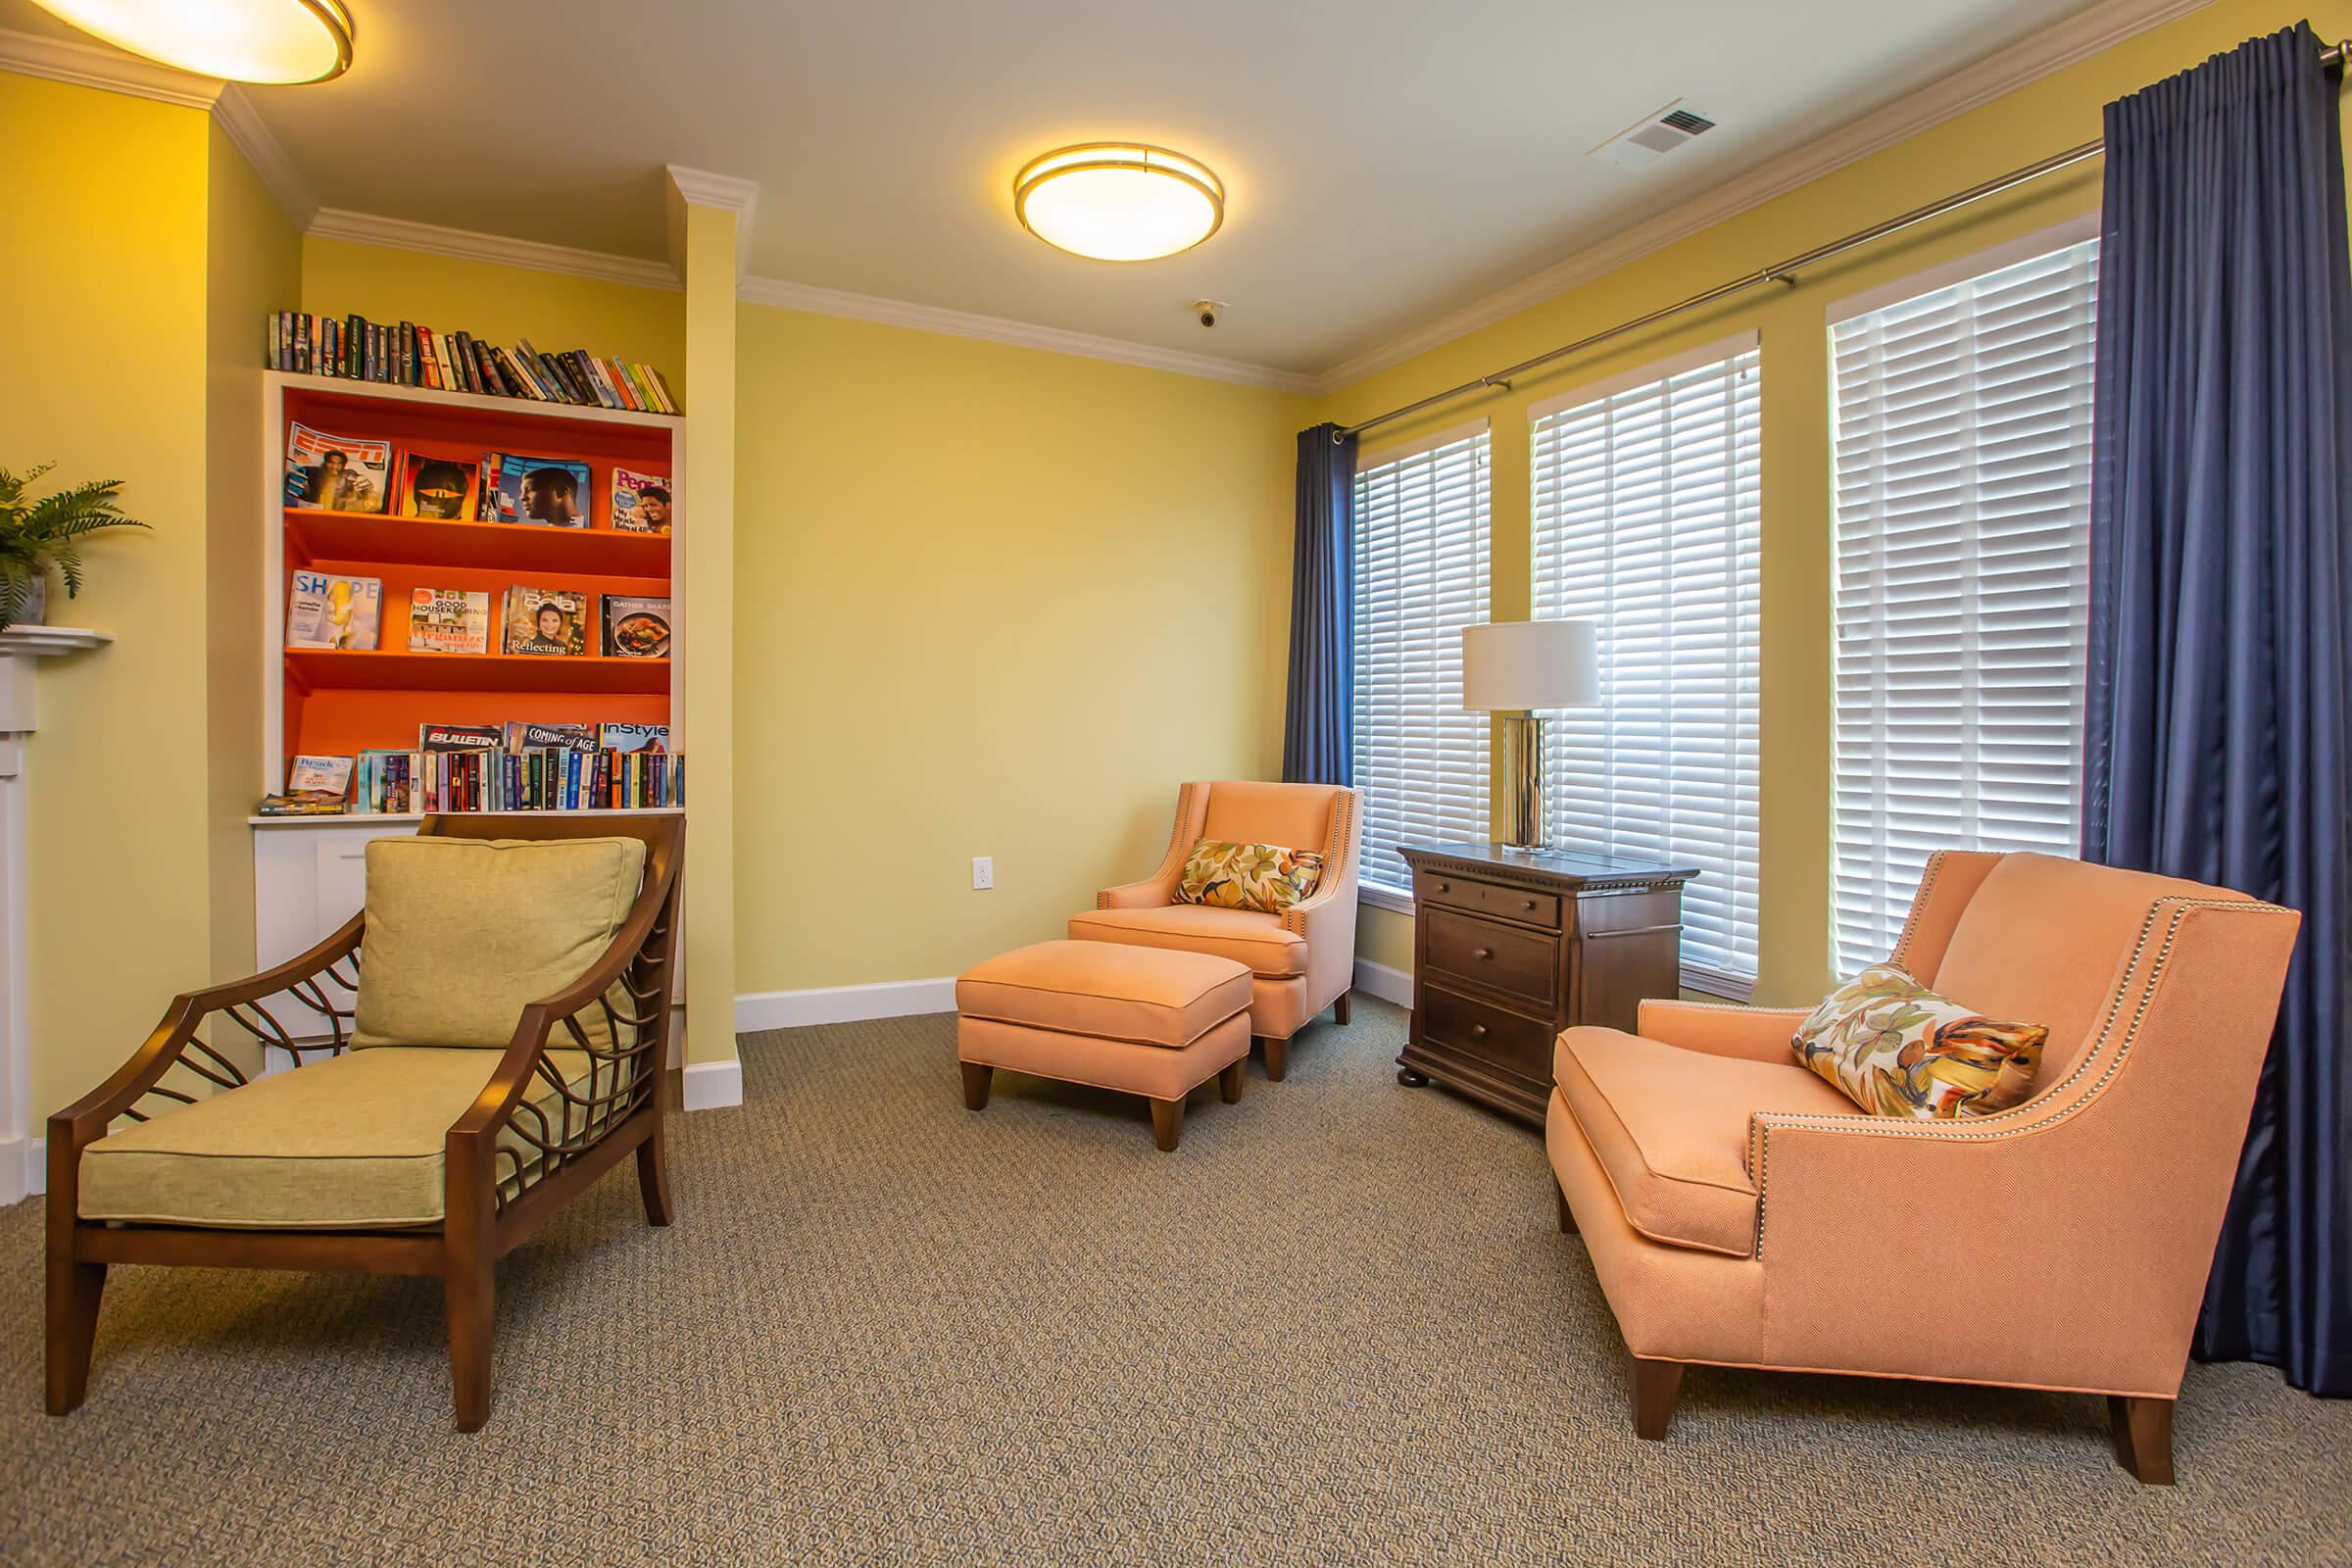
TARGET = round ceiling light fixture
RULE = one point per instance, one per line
(1118, 201)
(276, 41)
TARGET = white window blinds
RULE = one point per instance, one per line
(1962, 444)
(1646, 523)
(1421, 576)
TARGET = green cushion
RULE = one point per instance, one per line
(343, 1143)
(463, 934)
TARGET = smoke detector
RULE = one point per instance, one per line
(1653, 136)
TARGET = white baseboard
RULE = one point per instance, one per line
(888, 998)
(711, 1085)
(24, 1169)
(1379, 980)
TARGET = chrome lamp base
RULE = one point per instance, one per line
(1523, 805)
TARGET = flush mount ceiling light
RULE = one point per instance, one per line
(283, 41)
(1118, 201)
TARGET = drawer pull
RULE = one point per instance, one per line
(1478, 1031)
(1482, 953)
(1527, 904)
(1444, 887)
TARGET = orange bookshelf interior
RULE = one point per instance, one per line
(341, 702)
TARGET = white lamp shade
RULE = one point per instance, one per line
(1513, 664)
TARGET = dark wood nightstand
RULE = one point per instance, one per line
(1509, 949)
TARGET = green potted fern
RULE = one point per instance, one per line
(36, 535)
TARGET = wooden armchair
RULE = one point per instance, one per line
(471, 1150)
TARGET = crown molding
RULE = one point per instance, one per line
(242, 123)
(367, 228)
(699, 188)
(2052, 50)
(1020, 334)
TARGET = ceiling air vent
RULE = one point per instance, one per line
(1653, 136)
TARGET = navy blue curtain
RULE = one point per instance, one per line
(2220, 687)
(1318, 743)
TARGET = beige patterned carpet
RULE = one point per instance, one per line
(1336, 1327)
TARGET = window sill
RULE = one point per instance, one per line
(1393, 900)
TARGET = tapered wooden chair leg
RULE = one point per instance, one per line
(1229, 1082)
(75, 1290)
(1656, 1384)
(653, 1177)
(1567, 1215)
(2144, 1437)
(1339, 1008)
(1167, 1123)
(469, 1297)
(977, 1075)
(1278, 1057)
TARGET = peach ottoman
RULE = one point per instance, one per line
(1144, 1021)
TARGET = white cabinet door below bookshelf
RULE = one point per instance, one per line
(308, 877)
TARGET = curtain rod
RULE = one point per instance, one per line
(2331, 58)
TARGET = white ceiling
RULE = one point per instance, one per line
(1388, 160)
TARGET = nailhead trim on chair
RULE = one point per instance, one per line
(1293, 918)
(1919, 901)
(1987, 1129)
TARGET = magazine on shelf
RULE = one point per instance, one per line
(545, 621)
(318, 775)
(543, 492)
(334, 472)
(625, 738)
(634, 628)
(448, 620)
(331, 611)
(524, 735)
(460, 737)
(641, 502)
(438, 488)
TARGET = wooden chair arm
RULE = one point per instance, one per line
(88, 1118)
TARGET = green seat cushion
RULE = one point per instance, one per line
(353, 1142)
(463, 934)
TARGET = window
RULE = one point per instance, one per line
(1962, 444)
(1421, 576)
(1646, 523)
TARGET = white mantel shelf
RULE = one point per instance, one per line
(47, 642)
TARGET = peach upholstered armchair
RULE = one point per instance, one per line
(1302, 961)
(1741, 1211)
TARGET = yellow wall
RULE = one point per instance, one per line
(2055, 113)
(990, 601)
(253, 265)
(103, 294)
(503, 303)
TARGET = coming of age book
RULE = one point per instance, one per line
(439, 488)
(326, 610)
(545, 492)
(335, 472)
(448, 620)
(640, 502)
(523, 735)
(545, 621)
(635, 627)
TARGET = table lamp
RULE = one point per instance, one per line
(1518, 668)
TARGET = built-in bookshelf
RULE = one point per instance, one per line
(341, 702)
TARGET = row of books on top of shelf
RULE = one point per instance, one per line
(327, 473)
(329, 611)
(352, 348)
(519, 766)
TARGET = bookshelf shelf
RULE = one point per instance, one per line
(373, 538)
(350, 669)
(407, 819)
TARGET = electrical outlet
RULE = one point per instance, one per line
(984, 872)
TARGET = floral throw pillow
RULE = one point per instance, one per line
(1897, 1049)
(1248, 876)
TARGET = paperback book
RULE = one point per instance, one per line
(523, 735)
(318, 775)
(545, 621)
(332, 611)
(544, 492)
(635, 627)
(334, 473)
(448, 620)
(440, 488)
(640, 502)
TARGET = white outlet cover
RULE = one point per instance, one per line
(984, 872)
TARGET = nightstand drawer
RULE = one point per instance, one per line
(1522, 1045)
(1501, 957)
(1488, 898)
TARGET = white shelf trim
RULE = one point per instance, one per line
(47, 642)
